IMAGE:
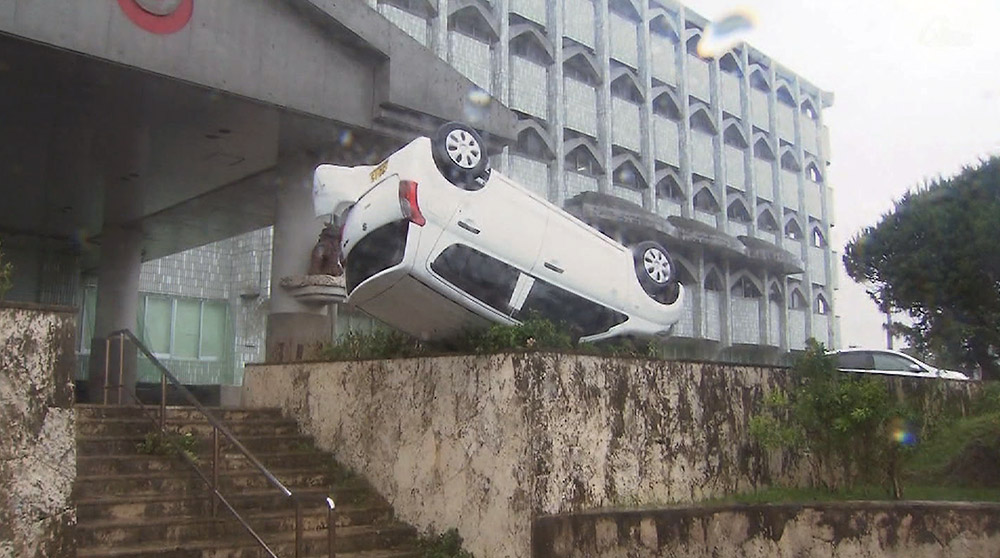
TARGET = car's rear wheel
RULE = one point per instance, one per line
(655, 270)
(460, 155)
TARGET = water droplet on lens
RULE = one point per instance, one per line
(346, 138)
(477, 105)
(724, 33)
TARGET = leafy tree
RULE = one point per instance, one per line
(936, 256)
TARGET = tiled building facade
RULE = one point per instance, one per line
(613, 99)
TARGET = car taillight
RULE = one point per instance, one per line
(408, 202)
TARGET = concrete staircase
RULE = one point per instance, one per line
(131, 504)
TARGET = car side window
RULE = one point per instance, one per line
(894, 363)
(855, 361)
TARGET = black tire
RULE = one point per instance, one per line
(654, 268)
(460, 155)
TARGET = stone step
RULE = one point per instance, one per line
(129, 532)
(92, 465)
(391, 541)
(187, 481)
(199, 503)
(226, 414)
(202, 428)
(129, 445)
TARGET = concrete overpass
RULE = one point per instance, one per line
(141, 130)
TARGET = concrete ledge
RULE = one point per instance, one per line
(903, 529)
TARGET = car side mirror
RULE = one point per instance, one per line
(914, 367)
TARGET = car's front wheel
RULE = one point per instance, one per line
(460, 155)
(656, 273)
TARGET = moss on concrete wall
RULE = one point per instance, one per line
(37, 431)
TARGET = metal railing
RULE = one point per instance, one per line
(217, 428)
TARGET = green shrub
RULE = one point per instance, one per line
(378, 344)
(175, 443)
(844, 423)
(444, 545)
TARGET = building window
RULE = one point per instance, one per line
(766, 222)
(470, 22)
(581, 161)
(702, 122)
(745, 288)
(785, 96)
(669, 189)
(813, 173)
(816, 239)
(738, 212)
(183, 328)
(88, 311)
(821, 306)
(705, 201)
(762, 150)
(729, 65)
(526, 46)
(733, 136)
(713, 282)
(627, 176)
(759, 82)
(797, 301)
(793, 231)
(789, 163)
(809, 110)
(665, 106)
(531, 145)
(624, 88)
(579, 69)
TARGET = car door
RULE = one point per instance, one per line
(499, 221)
(580, 259)
(855, 361)
(888, 363)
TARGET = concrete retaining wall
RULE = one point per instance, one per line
(487, 443)
(841, 530)
(37, 431)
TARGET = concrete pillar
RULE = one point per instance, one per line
(295, 331)
(123, 150)
(117, 308)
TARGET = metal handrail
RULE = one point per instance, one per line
(217, 427)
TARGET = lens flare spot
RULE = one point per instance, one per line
(346, 138)
(477, 105)
(724, 33)
(902, 432)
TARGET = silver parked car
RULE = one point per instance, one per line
(434, 242)
(894, 363)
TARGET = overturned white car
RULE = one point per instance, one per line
(433, 242)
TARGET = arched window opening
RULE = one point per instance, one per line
(684, 276)
(579, 68)
(759, 82)
(668, 188)
(580, 160)
(809, 110)
(415, 7)
(625, 88)
(785, 96)
(821, 306)
(470, 22)
(660, 26)
(527, 46)
(702, 122)
(692, 45)
(531, 145)
(625, 9)
(797, 301)
(762, 150)
(793, 231)
(729, 65)
(705, 201)
(766, 222)
(628, 176)
(816, 239)
(713, 281)
(745, 288)
(733, 136)
(789, 163)
(813, 173)
(775, 294)
(665, 106)
(738, 212)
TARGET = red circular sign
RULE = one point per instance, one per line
(160, 24)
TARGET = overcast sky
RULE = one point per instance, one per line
(917, 95)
